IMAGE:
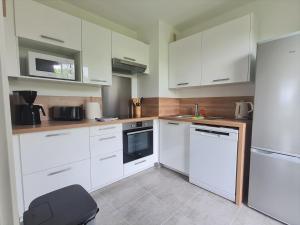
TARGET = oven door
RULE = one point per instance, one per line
(138, 143)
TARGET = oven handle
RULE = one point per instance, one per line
(138, 132)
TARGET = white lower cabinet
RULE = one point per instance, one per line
(106, 168)
(174, 145)
(37, 184)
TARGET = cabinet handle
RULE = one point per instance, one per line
(56, 135)
(109, 157)
(97, 80)
(108, 138)
(140, 162)
(107, 128)
(60, 171)
(171, 123)
(52, 39)
(219, 80)
(182, 84)
(139, 132)
(128, 58)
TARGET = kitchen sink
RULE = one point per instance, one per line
(184, 116)
(198, 118)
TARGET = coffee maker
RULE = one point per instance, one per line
(28, 113)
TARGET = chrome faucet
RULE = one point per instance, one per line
(196, 110)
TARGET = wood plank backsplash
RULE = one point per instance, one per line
(213, 106)
(49, 101)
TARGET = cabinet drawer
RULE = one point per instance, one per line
(40, 183)
(106, 168)
(107, 143)
(103, 130)
(138, 165)
(41, 151)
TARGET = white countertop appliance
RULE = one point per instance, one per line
(213, 159)
(274, 187)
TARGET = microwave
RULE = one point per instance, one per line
(49, 66)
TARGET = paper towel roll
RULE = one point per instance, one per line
(92, 110)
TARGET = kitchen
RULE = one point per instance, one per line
(161, 120)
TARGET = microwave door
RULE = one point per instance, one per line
(42, 65)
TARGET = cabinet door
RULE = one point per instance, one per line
(127, 48)
(185, 62)
(106, 168)
(44, 150)
(174, 152)
(38, 22)
(226, 52)
(96, 54)
(43, 182)
(11, 42)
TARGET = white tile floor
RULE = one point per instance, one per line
(159, 196)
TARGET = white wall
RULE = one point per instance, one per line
(149, 84)
(8, 214)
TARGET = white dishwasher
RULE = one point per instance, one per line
(213, 159)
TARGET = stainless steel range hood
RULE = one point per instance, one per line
(127, 67)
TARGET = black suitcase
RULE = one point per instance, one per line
(71, 205)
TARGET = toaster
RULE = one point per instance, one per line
(67, 113)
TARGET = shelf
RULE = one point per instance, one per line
(41, 79)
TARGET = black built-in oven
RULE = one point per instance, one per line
(137, 140)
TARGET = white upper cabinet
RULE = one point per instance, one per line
(38, 22)
(226, 51)
(185, 62)
(96, 54)
(127, 48)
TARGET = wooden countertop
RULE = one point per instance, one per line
(60, 125)
(215, 122)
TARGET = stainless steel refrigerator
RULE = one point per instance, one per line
(274, 187)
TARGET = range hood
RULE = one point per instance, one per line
(127, 67)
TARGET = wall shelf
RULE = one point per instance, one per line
(41, 79)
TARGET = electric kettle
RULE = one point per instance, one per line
(243, 110)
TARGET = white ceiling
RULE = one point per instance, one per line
(137, 13)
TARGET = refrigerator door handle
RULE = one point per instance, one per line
(277, 155)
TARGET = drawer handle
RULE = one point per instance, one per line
(97, 80)
(107, 128)
(58, 172)
(182, 84)
(52, 39)
(107, 138)
(56, 135)
(140, 162)
(109, 157)
(128, 58)
(171, 123)
(219, 80)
